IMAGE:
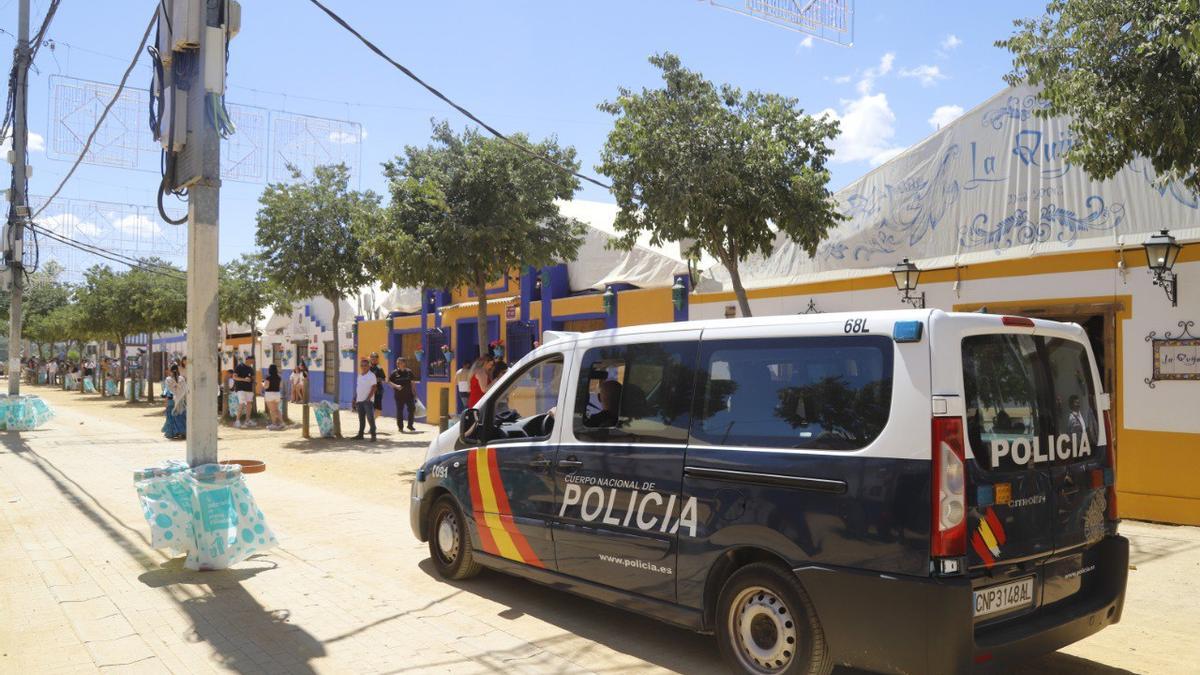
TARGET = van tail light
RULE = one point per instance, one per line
(1110, 473)
(1022, 321)
(948, 534)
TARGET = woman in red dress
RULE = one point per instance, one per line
(481, 378)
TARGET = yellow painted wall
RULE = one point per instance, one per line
(407, 322)
(372, 337)
(580, 304)
(642, 306)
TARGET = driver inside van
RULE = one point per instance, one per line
(610, 402)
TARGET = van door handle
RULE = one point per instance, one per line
(569, 463)
(540, 462)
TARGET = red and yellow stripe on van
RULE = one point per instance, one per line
(498, 533)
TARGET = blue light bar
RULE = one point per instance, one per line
(907, 331)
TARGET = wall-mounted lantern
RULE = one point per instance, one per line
(678, 294)
(609, 301)
(1161, 252)
(906, 275)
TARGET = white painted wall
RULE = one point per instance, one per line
(1169, 406)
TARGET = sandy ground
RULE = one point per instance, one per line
(349, 589)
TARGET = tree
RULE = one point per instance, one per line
(710, 165)
(160, 304)
(304, 231)
(243, 294)
(468, 209)
(1127, 72)
(105, 298)
(44, 293)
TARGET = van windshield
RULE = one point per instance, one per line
(1030, 400)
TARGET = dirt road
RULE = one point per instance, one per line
(349, 590)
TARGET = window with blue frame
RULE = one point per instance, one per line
(435, 339)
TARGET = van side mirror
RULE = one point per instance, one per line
(468, 427)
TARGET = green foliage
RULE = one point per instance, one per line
(308, 247)
(304, 231)
(44, 293)
(1127, 72)
(104, 301)
(727, 170)
(158, 302)
(244, 290)
(468, 209)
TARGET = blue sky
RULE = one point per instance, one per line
(539, 67)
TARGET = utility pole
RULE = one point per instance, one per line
(19, 209)
(199, 168)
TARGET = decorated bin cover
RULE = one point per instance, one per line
(110, 387)
(89, 387)
(231, 404)
(206, 512)
(22, 413)
(166, 504)
(324, 414)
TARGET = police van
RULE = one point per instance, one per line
(908, 491)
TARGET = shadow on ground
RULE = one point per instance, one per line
(241, 632)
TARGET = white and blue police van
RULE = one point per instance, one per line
(901, 491)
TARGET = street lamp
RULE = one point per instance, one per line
(906, 275)
(678, 294)
(1161, 252)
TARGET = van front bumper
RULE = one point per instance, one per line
(898, 624)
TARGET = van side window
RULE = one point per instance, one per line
(637, 392)
(831, 393)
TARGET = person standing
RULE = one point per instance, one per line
(381, 377)
(364, 397)
(272, 395)
(401, 382)
(297, 382)
(243, 385)
(175, 390)
(462, 386)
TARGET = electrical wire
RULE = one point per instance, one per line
(467, 113)
(153, 268)
(100, 120)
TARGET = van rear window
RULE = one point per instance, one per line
(829, 393)
(1030, 400)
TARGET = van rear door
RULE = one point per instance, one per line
(1011, 506)
(1040, 470)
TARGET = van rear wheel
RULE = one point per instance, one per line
(766, 624)
(449, 543)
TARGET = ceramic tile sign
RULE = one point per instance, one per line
(1176, 357)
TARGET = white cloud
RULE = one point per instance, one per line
(36, 143)
(806, 43)
(867, 83)
(137, 226)
(951, 41)
(944, 114)
(868, 126)
(69, 225)
(343, 137)
(927, 75)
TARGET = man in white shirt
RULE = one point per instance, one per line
(364, 397)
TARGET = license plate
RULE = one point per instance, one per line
(1004, 597)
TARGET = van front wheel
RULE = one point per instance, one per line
(449, 543)
(766, 624)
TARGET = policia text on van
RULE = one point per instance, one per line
(900, 491)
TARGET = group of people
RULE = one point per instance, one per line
(82, 373)
(240, 384)
(368, 393)
(472, 381)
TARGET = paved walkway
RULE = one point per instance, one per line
(349, 590)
